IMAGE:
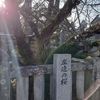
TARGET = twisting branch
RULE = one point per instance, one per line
(63, 13)
(94, 9)
(79, 13)
(32, 25)
(78, 17)
(98, 4)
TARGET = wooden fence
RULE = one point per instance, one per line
(60, 79)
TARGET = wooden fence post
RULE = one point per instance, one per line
(80, 85)
(62, 77)
(38, 87)
(4, 81)
(93, 93)
(96, 77)
(22, 88)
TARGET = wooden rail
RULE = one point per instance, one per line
(60, 89)
(44, 69)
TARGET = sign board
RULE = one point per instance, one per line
(62, 76)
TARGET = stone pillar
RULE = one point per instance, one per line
(62, 77)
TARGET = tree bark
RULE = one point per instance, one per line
(24, 48)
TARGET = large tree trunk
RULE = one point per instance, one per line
(24, 48)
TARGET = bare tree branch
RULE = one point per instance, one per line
(32, 25)
(94, 9)
(63, 13)
(94, 4)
